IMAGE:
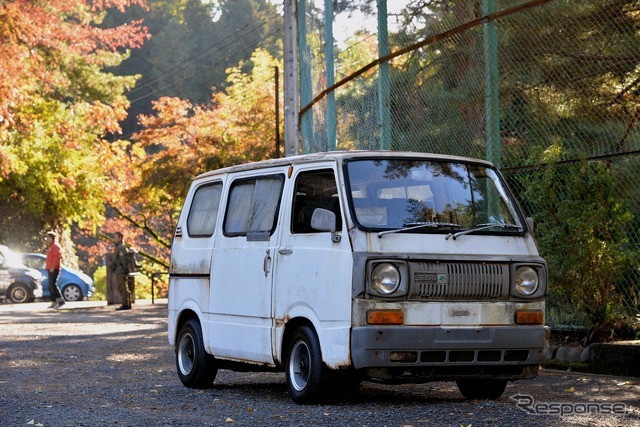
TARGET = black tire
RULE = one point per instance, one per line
(72, 293)
(305, 372)
(19, 293)
(196, 368)
(481, 389)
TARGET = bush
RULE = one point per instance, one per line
(580, 228)
(143, 286)
(100, 284)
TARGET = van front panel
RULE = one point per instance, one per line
(445, 271)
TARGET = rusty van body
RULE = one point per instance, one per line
(348, 266)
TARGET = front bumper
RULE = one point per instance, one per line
(506, 352)
(37, 291)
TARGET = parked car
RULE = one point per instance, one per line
(340, 267)
(18, 283)
(74, 285)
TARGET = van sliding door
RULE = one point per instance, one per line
(242, 266)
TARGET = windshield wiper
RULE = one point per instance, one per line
(416, 225)
(484, 226)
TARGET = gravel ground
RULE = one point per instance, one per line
(89, 365)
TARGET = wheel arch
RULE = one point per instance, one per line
(334, 338)
(179, 314)
(184, 316)
(19, 282)
(289, 329)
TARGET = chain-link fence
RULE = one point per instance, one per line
(547, 89)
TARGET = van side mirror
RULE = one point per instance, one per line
(325, 220)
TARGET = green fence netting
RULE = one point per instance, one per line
(549, 90)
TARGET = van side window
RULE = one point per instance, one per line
(253, 206)
(204, 210)
(315, 189)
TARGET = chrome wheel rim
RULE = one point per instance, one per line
(19, 294)
(186, 354)
(299, 365)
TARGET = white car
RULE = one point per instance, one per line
(18, 283)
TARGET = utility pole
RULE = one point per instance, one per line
(330, 75)
(384, 85)
(491, 86)
(276, 75)
(291, 100)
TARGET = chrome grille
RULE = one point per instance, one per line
(459, 281)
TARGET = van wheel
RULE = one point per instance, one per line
(19, 293)
(305, 372)
(482, 389)
(196, 368)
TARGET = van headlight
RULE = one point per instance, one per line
(526, 281)
(385, 278)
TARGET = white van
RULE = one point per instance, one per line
(363, 265)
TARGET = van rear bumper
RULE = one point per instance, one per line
(477, 351)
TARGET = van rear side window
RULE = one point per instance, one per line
(204, 210)
(253, 206)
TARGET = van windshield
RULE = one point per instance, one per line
(418, 196)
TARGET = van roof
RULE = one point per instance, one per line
(337, 156)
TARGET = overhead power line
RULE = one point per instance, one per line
(195, 71)
(195, 58)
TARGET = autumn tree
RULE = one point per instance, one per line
(193, 43)
(56, 104)
(181, 140)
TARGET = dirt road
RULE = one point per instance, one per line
(89, 365)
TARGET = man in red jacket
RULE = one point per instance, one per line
(52, 264)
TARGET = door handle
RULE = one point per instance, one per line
(267, 263)
(285, 251)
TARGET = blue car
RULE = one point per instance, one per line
(74, 285)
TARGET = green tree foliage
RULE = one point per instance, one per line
(193, 43)
(575, 85)
(569, 94)
(582, 237)
(181, 140)
(56, 103)
(569, 89)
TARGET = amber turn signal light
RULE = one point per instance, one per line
(385, 317)
(529, 317)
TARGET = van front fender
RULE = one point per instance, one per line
(333, 335)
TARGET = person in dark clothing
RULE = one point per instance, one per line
(121, 269)
(53, 264)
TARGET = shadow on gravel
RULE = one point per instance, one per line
(94, 367)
